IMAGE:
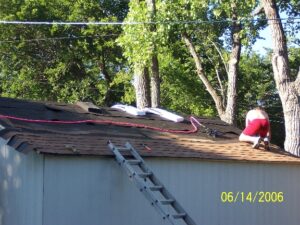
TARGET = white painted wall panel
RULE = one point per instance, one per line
(92, 191)
(95, 191)
(21, 187)
(198, 186)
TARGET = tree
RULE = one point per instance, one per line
(136, 49)
(155, 83)
(288, 88)
(180, 86)
(60, 63)
(142, 86)
(141, 50)
(256, 84)
(225, 102)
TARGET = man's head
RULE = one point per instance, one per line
(259, 108)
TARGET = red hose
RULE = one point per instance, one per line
(192, 120)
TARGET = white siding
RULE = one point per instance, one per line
(94, 191)
(199, 184)
(21, 187)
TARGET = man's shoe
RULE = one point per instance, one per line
(257, 143)
(267, 144)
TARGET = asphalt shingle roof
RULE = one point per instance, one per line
(90, 138)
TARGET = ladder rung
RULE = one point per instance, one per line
(179, 215)
(167, 201)
(134, 161)
(156, 188)
(144, 175)
(123, 149)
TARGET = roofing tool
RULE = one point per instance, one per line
(149, 185)
(147, 147)
(210, 132)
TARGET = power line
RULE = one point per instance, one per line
(117, 23)
(97, 23)
(57, 38)
(58, 23)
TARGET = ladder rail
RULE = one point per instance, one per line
(164, 191)
(140, 182)
(178, 208)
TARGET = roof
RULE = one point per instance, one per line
(90, 138)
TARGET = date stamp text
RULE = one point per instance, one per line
(252, 197)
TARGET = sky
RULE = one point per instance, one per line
(262, 44)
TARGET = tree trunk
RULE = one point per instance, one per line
(103, 70)
(288, 89)
(201, 73)
(230, 113)
(108, 95)
(142, 87)
(155, 84)
(227, 114)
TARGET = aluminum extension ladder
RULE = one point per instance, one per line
(149, 185)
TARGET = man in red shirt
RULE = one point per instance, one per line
(257, 128)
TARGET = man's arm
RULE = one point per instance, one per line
(248, 117)
(269, 130)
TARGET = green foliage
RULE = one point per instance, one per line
(180, 87)
(255, 81)
(291, 10)
(68, 68)
(294, 60)
(60, 63)
(255, 84)
(122, 85)
(249, 28)
(137, 40)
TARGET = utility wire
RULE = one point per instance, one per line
(117, 23)
(57, 38)
(76, 23)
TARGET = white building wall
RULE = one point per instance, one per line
(92, 191)
(21, 187)
(199, 185)
(62, 190)
(96, 191)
